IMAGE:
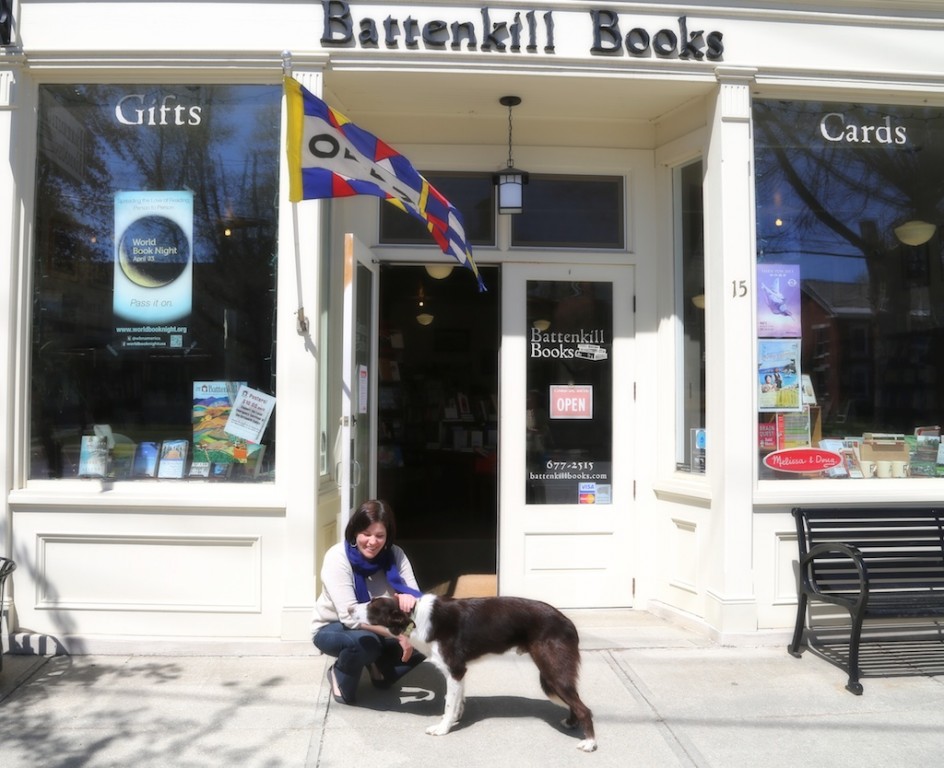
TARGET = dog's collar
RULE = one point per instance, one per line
(408, 630)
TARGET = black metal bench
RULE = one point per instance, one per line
(881, 563)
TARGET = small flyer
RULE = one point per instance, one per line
(793, 429)
(250, 414)
(778, 300)
(836, 446)
(699, 438)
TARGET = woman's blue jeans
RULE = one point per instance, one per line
(356, 649)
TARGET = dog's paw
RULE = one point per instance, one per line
(587, 745)
(440, 729)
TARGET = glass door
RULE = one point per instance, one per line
(567, 413)
(356, 474)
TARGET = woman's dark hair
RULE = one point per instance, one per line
(368, 513)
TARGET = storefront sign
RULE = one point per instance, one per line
(147, 110)
(802, 460)
(835, 127)
(502, 30)
(571, 402)
(585, 345)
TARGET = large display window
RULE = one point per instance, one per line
(154, 291)
(850, 290)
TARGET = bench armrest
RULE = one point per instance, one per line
(833, 548)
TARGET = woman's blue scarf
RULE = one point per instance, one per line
(363, 568)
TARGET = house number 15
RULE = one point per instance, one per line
(738, 289)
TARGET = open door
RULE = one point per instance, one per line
(357, 429)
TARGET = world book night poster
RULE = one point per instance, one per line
(153, 273)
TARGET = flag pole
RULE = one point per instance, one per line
(301, 323)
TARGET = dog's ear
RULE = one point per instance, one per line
(380, 610)
(384, 612)
(399, 622)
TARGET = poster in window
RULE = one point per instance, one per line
(778, 300)
(778, 375)
(153, 272)
(212, 403)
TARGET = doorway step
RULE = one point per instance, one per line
(469, 585)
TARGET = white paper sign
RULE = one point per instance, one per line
(250, 414)
(363, 385)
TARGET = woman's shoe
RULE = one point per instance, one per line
(335, 690)
(377, 677)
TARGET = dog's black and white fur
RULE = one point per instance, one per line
(454, 631)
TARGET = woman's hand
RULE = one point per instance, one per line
(406, 602)
(406, 646)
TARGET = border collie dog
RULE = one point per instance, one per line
(454, 631)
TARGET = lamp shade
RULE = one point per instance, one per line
(439, 271)
(915, 232)
(510, 182)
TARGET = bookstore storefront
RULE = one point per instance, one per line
(722, 297)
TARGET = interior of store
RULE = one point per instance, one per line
(438, 418)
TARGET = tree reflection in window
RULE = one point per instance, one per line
(834, 185)
(218, 144)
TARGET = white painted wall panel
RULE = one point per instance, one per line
(566, 552)
(175, 573)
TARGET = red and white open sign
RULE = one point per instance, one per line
(569, 401)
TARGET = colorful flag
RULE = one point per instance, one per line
(329, 156)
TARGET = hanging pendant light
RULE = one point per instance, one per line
(915, 232)
(510, 181)
(423, 315)
(439, 271)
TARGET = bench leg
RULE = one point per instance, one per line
(794, 648)
(854, 686)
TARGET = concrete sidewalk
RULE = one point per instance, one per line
(661, 696)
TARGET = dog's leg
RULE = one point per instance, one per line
(455, 691)
(563, 690)
(455, 704)
(580, 714)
